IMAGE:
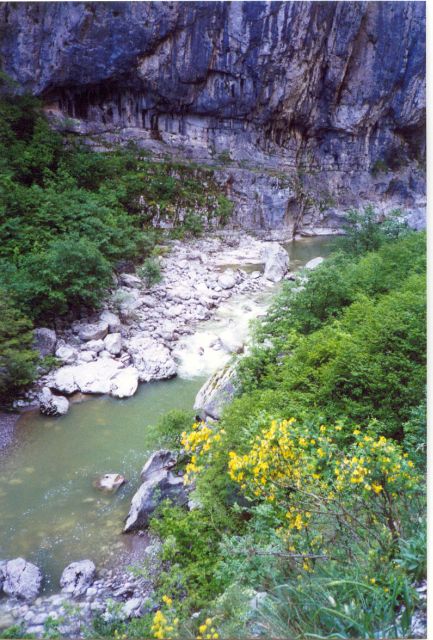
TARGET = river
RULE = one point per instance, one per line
(50, 512)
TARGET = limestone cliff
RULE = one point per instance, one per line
(306, 108)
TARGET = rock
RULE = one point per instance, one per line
(45, 341)
(161, 459)
(96, 331)
(95, 345)
(64, 380)
(276, 261)
(227, 280)
(216, 392)
(66, 353)
(312, 264)
(113, 343)
(87, 356)
(151, 359)
(52, 405)
(112, 320)
(255, 275)
(91, 377)
(231, 342)
(159, 483)
(77, 577)
(109, 482)
(129, 280)
(124, 383)
(132, 608)
(22, 579)
(148, 301)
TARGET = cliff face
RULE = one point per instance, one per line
(306, 107)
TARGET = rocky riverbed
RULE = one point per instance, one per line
(138, 336)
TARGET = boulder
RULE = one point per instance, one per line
(276, 261)
(131, 608)
(45, 341)
(112, 320)
(162, 459)
(129, 280)
(109, 482)
(124, 383)
(231, 342)
(89, 377)
(87, 356)
(151, 359)
(77, 577)
(52, 405)
(227, 280)
(312, 264)
(216, 392)
(95, 345)
(159, 483)
(113, 343)
(66, 353)
(22, 579)
(95, 331)
(64, 380)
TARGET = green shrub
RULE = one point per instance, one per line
(150, 271)
(193, 224)
(17, 358)
(72, 273)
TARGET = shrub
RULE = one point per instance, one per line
(17, 359)
(72, 273)
(150, 271)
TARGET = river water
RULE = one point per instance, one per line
(50, 512)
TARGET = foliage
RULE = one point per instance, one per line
(323, 512)
(366, 230)
(172, 424)
(190, 547)
(17, 359)
(150, 271)
(70, 274)
(193, 224)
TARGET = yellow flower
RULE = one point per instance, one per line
(373, 580)
(356, 432)
(377, 488)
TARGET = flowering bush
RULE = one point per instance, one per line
(321, 491)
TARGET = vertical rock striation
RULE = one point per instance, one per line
(306, 108)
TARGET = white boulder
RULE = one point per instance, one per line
(312, 264)
(109, 482)
(227, 280)
(124, 383)
(95, 331)
(52, 405)
(112, 320)
(151, 359)
(112, 343)
(66, 354)
(276, 261)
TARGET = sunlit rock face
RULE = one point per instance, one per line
(326, 99)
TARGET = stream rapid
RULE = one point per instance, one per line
(50, 512)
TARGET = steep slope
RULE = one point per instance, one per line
(309, 107)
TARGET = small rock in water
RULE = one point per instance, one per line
(109, 482)
(22, 579)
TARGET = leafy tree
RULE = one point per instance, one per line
(17, 359)
(72, 273)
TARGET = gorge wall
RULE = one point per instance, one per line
(305, 108)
